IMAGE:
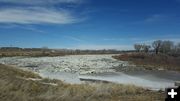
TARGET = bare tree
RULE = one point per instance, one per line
(178, 45)
(175, 50)
(146, 48)
(156, 45)
(178, 48)
(137, 47)
(166, 46)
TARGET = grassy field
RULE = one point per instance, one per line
(152, 61)
(29, 53)
(19, 85)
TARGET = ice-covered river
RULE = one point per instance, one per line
(97, 67)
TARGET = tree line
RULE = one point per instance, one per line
(159, 46)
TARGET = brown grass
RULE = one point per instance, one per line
(29, 53)
(152, 61)
(14, 86)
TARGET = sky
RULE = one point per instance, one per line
(88, 24)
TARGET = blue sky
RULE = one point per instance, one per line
(88, 24)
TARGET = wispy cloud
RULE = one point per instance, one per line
(27, 27)
(112, 39)
(155, 17)
(74, 38)
(39, 2)
(121, 39)
(33, 29)
(150, 41)
(38, 12)
(35, 15)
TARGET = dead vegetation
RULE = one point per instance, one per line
(15, 86)
(152, 61)
(30, 53)
(44, 51)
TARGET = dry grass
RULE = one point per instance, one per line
(14, 86)
(29, 53)
(152, 61)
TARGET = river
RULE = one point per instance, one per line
(72, 68)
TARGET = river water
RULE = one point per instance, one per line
(93, 67)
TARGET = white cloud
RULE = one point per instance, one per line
(35, 15)
(112, 39)
(29, 28)
(121, 39)
(155, 17)
(175, 40)
(39, 2)
(99, 47)
(73, 38)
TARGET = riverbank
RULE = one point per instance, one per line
(145, 61)
(19, 85)
(45, 52)
(33, 53)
